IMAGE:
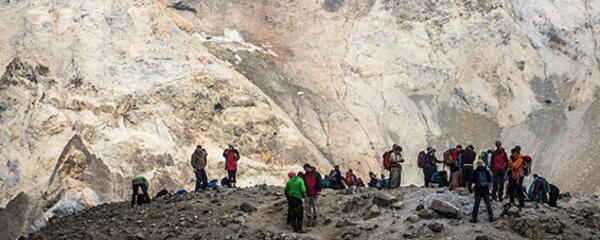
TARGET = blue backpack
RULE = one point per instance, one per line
(212, 183)
(482, 180)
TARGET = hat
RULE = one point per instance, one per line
(452, 147)
(491, 150)
(430, 149)
(306, 166)
(291, 174)
(231, 145)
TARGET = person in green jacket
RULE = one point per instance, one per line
(137, 183)
(295, 191)
(199, 163)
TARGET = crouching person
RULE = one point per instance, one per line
(295, 191)
(137, 183)
(481, 178)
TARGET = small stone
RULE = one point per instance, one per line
(420, 207)
(427, 214)
(350, 233)
(482, 237)
(413, 218)
(436, 227)
(372, 212)
(246, 207)
(398, 205)
(343, 223)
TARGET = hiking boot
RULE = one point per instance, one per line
(473, 220)
(492, 219)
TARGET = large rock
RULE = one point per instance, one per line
(372, 212)
(445, 209)
(384, 199)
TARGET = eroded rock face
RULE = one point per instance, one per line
(327, 82)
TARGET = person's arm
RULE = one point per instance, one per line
(237, 154)
(286, 190)
(302, 189)
(225, 154)
(133, 199)
(436, 160)
(194, 162)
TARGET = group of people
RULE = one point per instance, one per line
(493, 167)
(476, 173)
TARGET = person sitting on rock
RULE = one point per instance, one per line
(539, 189)
(336, 181)
(231, 156)
(295, 191)
(350, 178)
(481, 178)
(440, 178)
(360, 183)
(374, 182)
(137, 183)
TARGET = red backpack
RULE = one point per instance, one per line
(386, 160)
(526, 165)
(422, 159)
(350, 179)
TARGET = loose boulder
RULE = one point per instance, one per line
(445, 209)
(384, 199)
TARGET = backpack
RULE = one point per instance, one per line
(350, 179)
(526, 165)
(212, 183)
(448, 159)
(482, 180)
(422, 159)
(386, 160)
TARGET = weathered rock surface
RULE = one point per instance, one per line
(128, 88)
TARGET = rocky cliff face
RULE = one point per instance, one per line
(94, 93)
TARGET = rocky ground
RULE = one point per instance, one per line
(259, 213)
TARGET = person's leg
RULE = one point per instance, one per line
(476, 207)
(468, 175)
(500, 185)
(520, 192)
(300, 215)
(197, 173)
(145, 193)
(393, 177)
(399, 176)
(510, 190)
(488, 207)
(234, 177)
(495, 184)
(294, 213)
(134, 194)
(289, 215)
(230, 175)
(203, 179)
(462, 182)
(426, 177)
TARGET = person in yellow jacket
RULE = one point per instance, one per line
(515, 182)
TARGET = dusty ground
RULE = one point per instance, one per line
(364, 213)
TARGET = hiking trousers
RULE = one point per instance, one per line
(201, 180)
(142, 198)
(311, 208)
(498, 185)
(516, 190)
(395, 177)
(467, 173)
(488, 205)
(428, 172)
(296, 213)
(453, 179)
(540, 192)
(231, 176)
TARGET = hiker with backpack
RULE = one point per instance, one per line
(295, 191)
(539, 189)
(467, 160)
(199, 163)
(137, 184)
(350, 178)
(395, 159)
(376, 182)
(231, 156)
(515, 183)
(430, 164)
(498, 165)
(451, 160)
(481, 178)
(312, 183)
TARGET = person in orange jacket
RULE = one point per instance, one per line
(515, 182)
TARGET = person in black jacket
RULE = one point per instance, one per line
(481, 178)
(430, 165)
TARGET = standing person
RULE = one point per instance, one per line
(396, 169)
(136, 184)
(431, 162)
(312, 182)
(467, 160)
(451, 160)
(295, 191)
(481, 177)
(350, 178)
(498, 165)
(231, 156)
(199, 163)
(515, 184)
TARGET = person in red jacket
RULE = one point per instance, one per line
(231, 156)
(350, 178)
(498, 165)
(466, 167)
(313, 183)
